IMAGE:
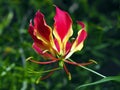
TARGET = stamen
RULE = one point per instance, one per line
(45, 77)
(72, 39)
(67, 72)
(65, 68)
(78, 64)
(29, 58)
(91, 60)
(44, 51)
(51, 72)
(48, 62)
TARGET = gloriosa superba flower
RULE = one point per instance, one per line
(55, 44)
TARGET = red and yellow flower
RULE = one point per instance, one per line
(54, 44)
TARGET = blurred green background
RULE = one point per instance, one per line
(102, 18)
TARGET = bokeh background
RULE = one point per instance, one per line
(102, 19)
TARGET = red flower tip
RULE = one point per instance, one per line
(81, 24)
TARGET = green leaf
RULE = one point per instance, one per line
(112, 78)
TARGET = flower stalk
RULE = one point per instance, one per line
(90, 70)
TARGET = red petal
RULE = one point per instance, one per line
(41, 52)
(57, 45)
(36, 48)
(62, 23)
(81, 34)
(43, 31)
(81, 37)
(68, 47)
(62, 28)
(38, 45)
(78, 43)
(81, 24)
(31, 31)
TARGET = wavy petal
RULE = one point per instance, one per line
(81, 24)
(38, 44)
(80, 39)
(36, 40)
(42, 53)
(78, 43)
(62, 28)
(42, 30)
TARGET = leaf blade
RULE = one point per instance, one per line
(111, 78)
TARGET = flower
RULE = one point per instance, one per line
(54, 44)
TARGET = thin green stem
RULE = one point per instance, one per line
(90, 70)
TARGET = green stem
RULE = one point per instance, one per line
(90, 70)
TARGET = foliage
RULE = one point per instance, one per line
(102, 18)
